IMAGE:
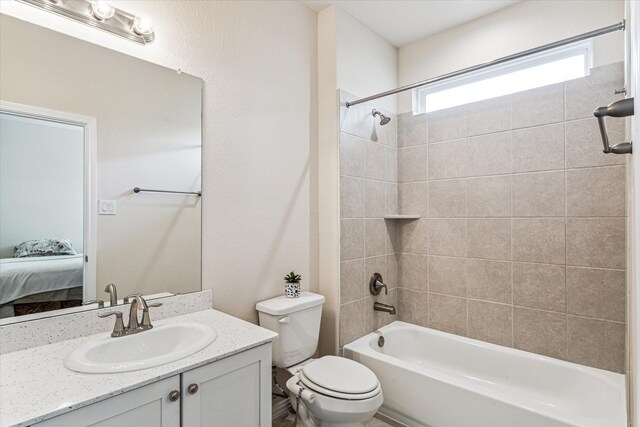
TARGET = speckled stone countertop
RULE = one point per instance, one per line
(35, 385)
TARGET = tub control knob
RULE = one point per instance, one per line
(376, 285)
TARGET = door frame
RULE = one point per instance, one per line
(90, 181)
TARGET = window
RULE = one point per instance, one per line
(546, 68)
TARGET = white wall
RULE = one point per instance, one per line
(41, 182)
(366, 63)
(258, 63)
(328, 182)
(519, 27)
(352, 58)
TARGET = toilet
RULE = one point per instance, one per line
(330, 391)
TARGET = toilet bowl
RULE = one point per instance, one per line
(330, 391)
(334, 391)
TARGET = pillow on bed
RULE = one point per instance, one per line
(44, 247)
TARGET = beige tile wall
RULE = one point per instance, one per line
(368, 191)
(521, 236)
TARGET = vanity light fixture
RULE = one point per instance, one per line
(103, 15)
(143, 25)
(102, 10)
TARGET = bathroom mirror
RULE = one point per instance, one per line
(81, 126)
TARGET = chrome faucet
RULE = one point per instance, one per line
(378, 306)
(137, 303)
(113, 294)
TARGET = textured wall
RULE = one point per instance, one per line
(521, 240)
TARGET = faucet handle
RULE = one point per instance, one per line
(376, 284)
(95, 301)
(128, 297)
(146, 319)
(118, 328)
(110, 313)
(379, 284)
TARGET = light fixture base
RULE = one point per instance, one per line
(120, 24)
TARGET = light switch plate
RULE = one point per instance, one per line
(107, 207)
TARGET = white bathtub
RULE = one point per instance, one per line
(431, 378)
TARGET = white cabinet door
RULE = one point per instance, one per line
(147, 406)
(232, 392)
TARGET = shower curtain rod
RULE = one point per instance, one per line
(563, 42)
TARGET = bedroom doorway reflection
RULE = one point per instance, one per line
(46, 257)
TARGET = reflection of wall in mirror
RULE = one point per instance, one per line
(41, 182)
(149, 135)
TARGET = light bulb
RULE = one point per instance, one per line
(102, 10)
(143, 25)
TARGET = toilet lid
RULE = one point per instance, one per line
(340, 375)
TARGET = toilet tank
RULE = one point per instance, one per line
(297, 322)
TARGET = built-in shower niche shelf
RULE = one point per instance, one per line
(408, 217)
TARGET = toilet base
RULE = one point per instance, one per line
(306, 419)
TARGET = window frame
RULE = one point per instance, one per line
(585, 47)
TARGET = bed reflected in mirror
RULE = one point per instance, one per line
(41, 215)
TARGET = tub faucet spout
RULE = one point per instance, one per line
(378, 306)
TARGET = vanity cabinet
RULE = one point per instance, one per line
(144, 406)
(234, 391)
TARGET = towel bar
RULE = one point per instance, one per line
(146, 190)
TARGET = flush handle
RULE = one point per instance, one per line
(284, 320)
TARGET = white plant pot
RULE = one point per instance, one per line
(292, 290)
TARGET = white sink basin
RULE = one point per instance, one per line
(162, 344)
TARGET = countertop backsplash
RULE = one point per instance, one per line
(35, 333)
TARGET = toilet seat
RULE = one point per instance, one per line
(340, 378)
(335, 394)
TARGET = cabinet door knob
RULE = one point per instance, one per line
(174, 395)
(193, 388)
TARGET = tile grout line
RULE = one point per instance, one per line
(466, 215)
(513, 314)
(566, 210)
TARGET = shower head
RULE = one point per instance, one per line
(383, 119)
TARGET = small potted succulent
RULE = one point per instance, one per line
(292, 285)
